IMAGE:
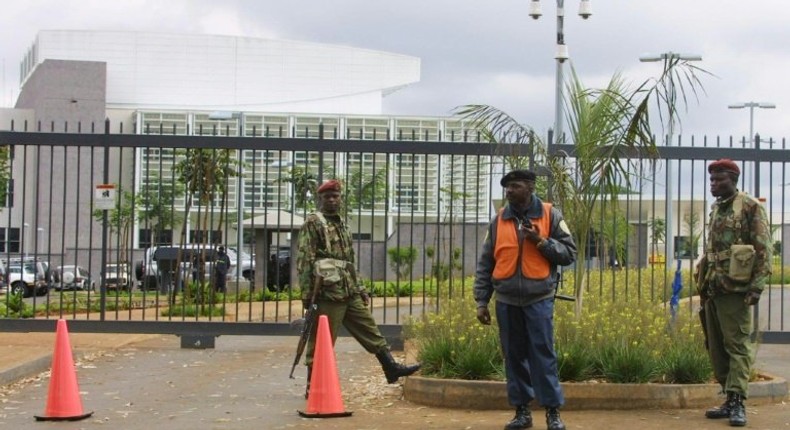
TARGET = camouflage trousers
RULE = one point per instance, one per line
(357, 320)
(729, 323)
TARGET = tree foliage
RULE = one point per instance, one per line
(611, 130)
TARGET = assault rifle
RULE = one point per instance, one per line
(311, 314)
(557, 295)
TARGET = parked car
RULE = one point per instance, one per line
(244, 259)
(117, 276)
(156, 269)
(27, 278)
(3, 275)
(72, 277)
(40, 263)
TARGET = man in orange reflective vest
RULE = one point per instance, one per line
(524, 244)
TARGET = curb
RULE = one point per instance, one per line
(492, 395)
(31, 367)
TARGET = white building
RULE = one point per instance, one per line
(187, 84)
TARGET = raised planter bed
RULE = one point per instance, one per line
(488, 395)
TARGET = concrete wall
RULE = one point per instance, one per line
(65, 97)
(372, 256)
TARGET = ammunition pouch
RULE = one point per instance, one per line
(330, 270)
(741, 262)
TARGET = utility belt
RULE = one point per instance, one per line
(713, 257)
(741, 261)
(330, 270)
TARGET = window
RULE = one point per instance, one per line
(685, 247)
(202, 236)
(407, 197)
(148, 239)
(9, 240)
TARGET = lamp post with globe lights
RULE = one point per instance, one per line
(751, 140)
(585, 11)
(666, 58)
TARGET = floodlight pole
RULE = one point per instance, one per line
(751, 140)
(669, 211)
(585, 11)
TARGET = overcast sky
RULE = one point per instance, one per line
(487, 52)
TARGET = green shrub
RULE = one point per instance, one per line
(623, 335)
(685, 365)
(575, 362)
(627, 363)
(452, 344)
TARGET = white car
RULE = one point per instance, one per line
(27, 278)
(73, 277)
(150, 274)
(117, 276)
(246, 261)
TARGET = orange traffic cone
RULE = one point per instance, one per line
(63, 402)
(324, 399)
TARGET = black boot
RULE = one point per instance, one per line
(392, 369)
(737, 411)
(522, 420)
(722, 411)
(553, 421)
(307, 387)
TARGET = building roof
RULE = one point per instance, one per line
(275, 220)
(176, 71)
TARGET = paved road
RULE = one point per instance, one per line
(243, 384)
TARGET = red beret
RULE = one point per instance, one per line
(724, 165)
(330, 185)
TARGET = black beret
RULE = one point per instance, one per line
(724, 165)
(518, 175)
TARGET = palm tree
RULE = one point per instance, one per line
(611, 130)
(205, 174)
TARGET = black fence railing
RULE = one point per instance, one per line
(418, 207)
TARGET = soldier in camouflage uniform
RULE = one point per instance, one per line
(343, 300)
(734, 270)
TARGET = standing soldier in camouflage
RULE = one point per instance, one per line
(325, 248)
(733, 273)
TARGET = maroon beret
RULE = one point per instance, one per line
(724, 165)
(330, 185)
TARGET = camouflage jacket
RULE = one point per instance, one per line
(723, 232)
(312, 247)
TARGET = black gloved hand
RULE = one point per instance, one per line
(751, 298)
(365, 297)
(483, 315)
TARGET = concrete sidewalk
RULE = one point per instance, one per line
(147, 381)
(25, 354)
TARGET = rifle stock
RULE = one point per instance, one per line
(307, 327)
(704, 325)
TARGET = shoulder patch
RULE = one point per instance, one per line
(564, 227)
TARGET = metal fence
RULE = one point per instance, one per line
(247, 188)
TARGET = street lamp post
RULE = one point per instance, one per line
(39, 235)
(25, 243)
(666, 58)
(751, 106)
(585, 11)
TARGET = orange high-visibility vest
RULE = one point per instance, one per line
(506, 249)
